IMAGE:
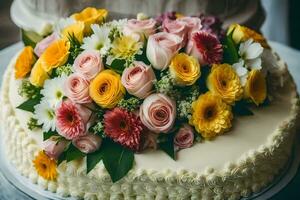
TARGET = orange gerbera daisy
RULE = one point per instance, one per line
(45, 166)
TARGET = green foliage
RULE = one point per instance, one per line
(28, 90)
(241, 108)
(166, 144)
(64, 70)
(73, 153)
(30, 38)
(230, 52)
(49, 134)
(75, 47)
(98, 129)
(93, 159)
(117, 159)
(130, 104)
(118, 65)
(29, 104)
(33, 124)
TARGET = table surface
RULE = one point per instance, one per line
(291, 56)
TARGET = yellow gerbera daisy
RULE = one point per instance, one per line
(45, 166)
(210, 115)
(125, 47)
(256, 87)
(224, 81)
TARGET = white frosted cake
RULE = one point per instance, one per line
(234, 160)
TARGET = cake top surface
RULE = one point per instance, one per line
(112, 90)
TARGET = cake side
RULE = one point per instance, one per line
(249, 173)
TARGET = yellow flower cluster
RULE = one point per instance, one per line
(54, 56)
(125, 47)
(24, 62)
(224, 82)
(242, 33)
(184, 69)
(106, 89)
(90, 16)
(256, 87)
(45, 166)
(211, 116)
(76, 29)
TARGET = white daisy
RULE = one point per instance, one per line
(45, 115)
(63, 23)
(118, 24)
(53, 90)
(99, 40)
(241, 71)
(251, 53)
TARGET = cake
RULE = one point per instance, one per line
(167, 108)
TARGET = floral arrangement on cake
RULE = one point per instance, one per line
(107, 90)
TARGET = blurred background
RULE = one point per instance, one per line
(281, 23)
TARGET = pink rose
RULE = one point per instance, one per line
(158, 113)
(161, 47)
(140, 28)
(184, 137)
(43, 44)
(77, 89)
(88, 64)
(138, 79)
(176, 27)
(54, 147)
(72, 119)
(88, 143)
(193, 24)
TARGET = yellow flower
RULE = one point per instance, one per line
(242, 33)
(75, 29)
(90, 16)
(45, 166)
(24, 62)
(210, 115)
(184, 69)
(225, 82)
(125, 47)
(55, 55)
(106, 89)
(256, 88)
(38, 75)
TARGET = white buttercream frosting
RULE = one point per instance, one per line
(234, 165)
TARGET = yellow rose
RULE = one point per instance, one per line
(210, 115)
(242, 33)
(90, 16)
(38, 75)
(24, 62)
(55, 55)
(256, 87)
(75, 29)
(106, 89)
(224, 82)
(184, 69)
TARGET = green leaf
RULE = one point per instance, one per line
(230, 54)
(73, 153)
(167, 145)
(118, 65)
(49, 134)
(93, 159)
(143, 57)
(117, 159)
(241, 108)
(30, 38)
(29, 104)
(61, 158)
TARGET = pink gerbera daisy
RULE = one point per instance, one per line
(69, 122)
(123, 127)
(208, 47)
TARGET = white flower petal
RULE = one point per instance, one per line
(254, 63)
(254, 51)
(45, 115)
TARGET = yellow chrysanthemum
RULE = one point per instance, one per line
(45, 166)
(24, 62)
(55, 55)
(38, 75)
(225, 82)
(256, 87)
(75, 29)
(184, 69)
(90, 16)
(210, 115)
(125, 47)
(106, 89)
(242, 33)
